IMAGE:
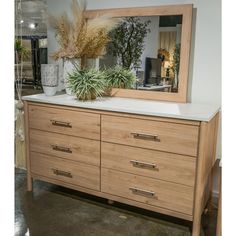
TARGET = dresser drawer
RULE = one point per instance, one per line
(65, 146)
(76, 173)
(163, 136)
(81, 124)
(154, 192)
(155, 164)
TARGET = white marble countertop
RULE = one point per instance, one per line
(188, 111)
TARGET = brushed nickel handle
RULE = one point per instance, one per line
(146, 136)
(142, 192)
(61, 149)
(61, 123)
(146, 165)
(62, 173)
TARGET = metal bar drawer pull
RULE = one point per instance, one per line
(145, 165)
(146, 136)
(61, 149)
(62, 173)
(61, 123)
(142, 192)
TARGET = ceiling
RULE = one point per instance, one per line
(30, 17)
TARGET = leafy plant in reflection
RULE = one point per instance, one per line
(176, 58)
(119, 77)
(87, 84)
(21, 52)
(127, 41)
(176, 63)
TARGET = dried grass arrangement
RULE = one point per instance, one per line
(79, 37)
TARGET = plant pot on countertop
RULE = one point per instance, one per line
(69, 64)
(49, 78)
(87, 84)
(107, 92)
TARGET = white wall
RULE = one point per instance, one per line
(205, 63)
(151, 40)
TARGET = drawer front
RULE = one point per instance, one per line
(154, 192)
(80, 174)
(165, 166)
(81, 124)
(68, 147)
(163, 136)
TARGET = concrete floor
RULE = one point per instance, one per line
(56, 211)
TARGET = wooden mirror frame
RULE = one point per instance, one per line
(186, 12)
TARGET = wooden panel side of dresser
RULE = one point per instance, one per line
(205, 162)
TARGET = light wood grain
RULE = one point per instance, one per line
(167, 195)
(170, 167)
(115, 198)
(119, 114)
(84, 175)
(85, 125)
(28, 157)
(176, 138)
(205, 163)
(20, 149)
(186, 12)
(141, 11)
(83, 150)
(173, 183)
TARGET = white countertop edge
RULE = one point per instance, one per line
(90, 105)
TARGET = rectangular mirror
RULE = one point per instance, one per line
(153, 42)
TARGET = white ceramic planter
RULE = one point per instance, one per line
(49, 78)
(92, 63)
(68, 67)
(49, 91)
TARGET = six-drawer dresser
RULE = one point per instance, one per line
(153, 155)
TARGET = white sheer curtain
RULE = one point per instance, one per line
(168, 42)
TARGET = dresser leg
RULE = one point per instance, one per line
(29, 183)
(196, 226)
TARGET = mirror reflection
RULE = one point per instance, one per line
(150, 47)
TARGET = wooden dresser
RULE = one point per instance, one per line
(160, 162)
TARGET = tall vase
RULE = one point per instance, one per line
(49, 78)
(69, 65)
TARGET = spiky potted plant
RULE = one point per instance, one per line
(86, 84)
(119, 77)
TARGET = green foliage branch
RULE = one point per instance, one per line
(127, 41)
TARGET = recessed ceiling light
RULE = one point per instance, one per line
(21, 21)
